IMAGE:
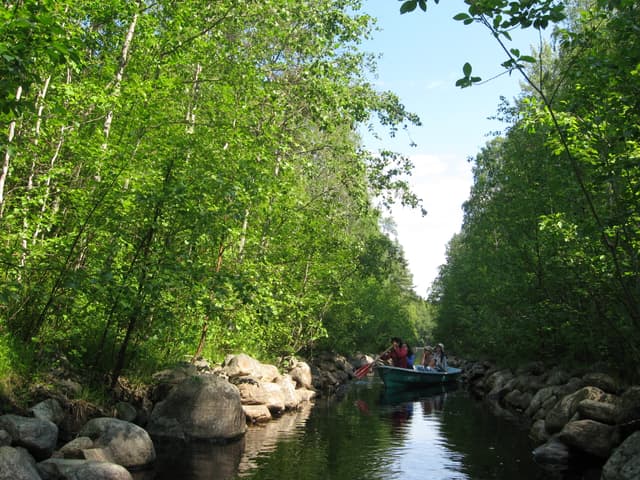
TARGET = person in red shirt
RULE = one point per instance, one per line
(398, 353)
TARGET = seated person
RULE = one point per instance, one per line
(428, 361)
(398, 353)
(440, 358)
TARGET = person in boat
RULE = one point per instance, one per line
(398, 354)
(440, 358)
(428, 361)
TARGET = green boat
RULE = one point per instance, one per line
(395, 377)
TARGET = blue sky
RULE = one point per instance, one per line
(422, 57)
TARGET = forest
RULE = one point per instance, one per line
(186, 179)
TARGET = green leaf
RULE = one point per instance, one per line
(466, 69)
(461, 16)
(408, 6)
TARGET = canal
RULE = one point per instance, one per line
(366, 433)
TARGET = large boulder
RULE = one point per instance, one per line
(205, 407)
(567, 407)
(600, 411)
(624, 463)
(538, 432)
(59, 468)
(552, 455)
(603, 381)
(301, 374)
(243, 365)
(630, 406)
(117, 441)
(37, 436)
(588, 436)
(262, 393)
(17, 464)
(49, 409)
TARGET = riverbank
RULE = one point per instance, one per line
(64, 436)
(577, 419)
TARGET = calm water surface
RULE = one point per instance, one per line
(370, 434)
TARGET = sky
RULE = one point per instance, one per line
(421, 58)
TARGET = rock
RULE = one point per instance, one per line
(518, 400)
(206, 407)
(552, 455)
(543, 399)
(624, 463)
(261, 393)
(125, 411)
(603, 381)
(75, 447)
(591, 437)
(120, 442)
(37, 436)
(288, 388)
(17, 464)
(257, 413)
(301, 374)
(497, 384)
(566, 408)
(558, 377)
(538, 432)
(305, 395)
(630, 405)
(244, 365)
(59, 468)
(603, 412)
(49, 409)
(176, 374)
(5, 438)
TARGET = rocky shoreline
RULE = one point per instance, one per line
(63, 437)
(576, 419)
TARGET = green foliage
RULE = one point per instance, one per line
(185, 179)
(546, 264)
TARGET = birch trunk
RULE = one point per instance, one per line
(4, 174)
(124, 60)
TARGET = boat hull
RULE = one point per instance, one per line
(394, 377)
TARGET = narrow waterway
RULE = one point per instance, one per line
(370, 434)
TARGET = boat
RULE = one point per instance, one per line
(395, 377)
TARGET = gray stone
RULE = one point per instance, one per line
(17, 464)
(49, 409)
(603, 412)
(119, 442)
(518, 400)
(624, 463)
(205, 407)
(5, 438)
(37, 436)
(59, 468)
(75, 447)
(553, 454)
(591, 437)
(538, 432)
(567, 407)
(301, 374)
(125, 411)
(603, 381)
(244, 365)
(257, 413)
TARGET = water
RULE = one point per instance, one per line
(367, 433)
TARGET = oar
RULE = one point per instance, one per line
(362, 371)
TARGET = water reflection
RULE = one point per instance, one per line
(367, 433)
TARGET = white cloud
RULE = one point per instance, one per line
(443, 182)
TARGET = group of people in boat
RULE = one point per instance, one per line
(402, 356)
